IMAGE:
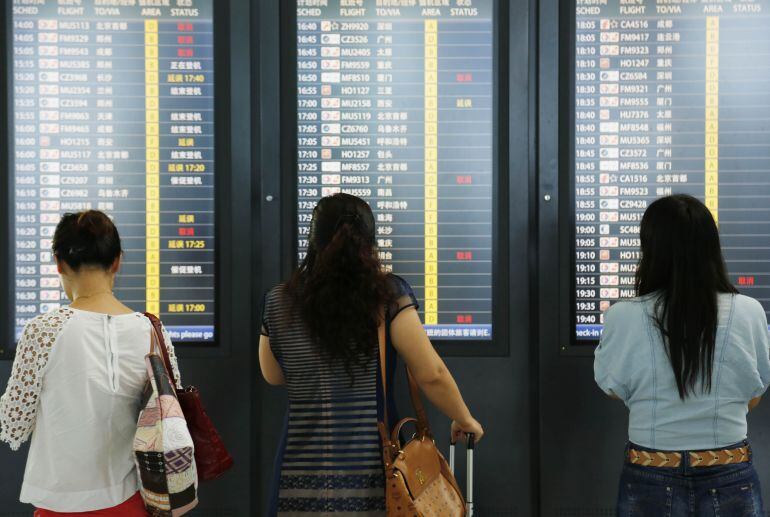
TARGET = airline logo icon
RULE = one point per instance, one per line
(331, 179)
(330, 141)
(330, 64)
(330, 52)
(330, 191)
(331, 166)
(330, 77)
(50, 282)
(333, 116)
(333, 129)
(609, 204)
(609, 152)
(330, 39)
(330, 102)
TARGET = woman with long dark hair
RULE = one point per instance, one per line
(689, 357)
(320, 339)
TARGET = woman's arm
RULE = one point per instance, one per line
(430, 372)
(19, 404)
(271, 369)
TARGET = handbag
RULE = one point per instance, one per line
(211, 456)
(163, 447)
(418, 480)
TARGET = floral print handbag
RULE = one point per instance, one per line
(163, 447)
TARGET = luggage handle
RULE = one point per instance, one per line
(471, 445)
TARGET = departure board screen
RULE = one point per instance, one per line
(395, 105)
(113, 109)
(671, 96)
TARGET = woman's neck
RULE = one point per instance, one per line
(90, 285)
(92, 291)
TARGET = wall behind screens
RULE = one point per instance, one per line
(667, 98)
(396, 105)
(112, 108)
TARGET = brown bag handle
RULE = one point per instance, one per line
(158, 331)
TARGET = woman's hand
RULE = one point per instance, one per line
(461, 430)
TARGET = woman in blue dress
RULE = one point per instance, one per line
(320, 339)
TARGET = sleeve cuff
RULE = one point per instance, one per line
(611, 386)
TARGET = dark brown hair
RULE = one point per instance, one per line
(340, 287)
(87, 238)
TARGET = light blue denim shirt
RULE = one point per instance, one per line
(632, 363)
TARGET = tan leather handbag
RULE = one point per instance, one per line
(418, 480)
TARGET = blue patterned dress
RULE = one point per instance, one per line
(329, 461)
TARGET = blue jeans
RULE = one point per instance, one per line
(684, 491)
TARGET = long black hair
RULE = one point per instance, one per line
(682, 262)
(340, 287)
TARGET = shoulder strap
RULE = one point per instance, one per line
(383, 371)
(158, 329)
(423, 425)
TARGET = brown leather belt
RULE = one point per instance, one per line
(696, 459)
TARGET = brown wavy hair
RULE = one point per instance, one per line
(340, 286)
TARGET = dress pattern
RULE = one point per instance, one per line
(330, 460)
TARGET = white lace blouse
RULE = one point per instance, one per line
(75, 388)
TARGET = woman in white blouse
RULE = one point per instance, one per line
(77, 380)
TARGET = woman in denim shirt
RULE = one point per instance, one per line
(689, 357)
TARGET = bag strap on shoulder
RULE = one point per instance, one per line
(383, 371)
(158, 330)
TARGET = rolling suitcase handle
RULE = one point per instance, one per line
(471, 443)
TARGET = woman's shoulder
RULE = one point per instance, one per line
(747, 315)
(277, 296)
(49, 322)
(747, 305)
(628, 310)
(399, 286)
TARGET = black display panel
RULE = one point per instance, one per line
(669, 97)
(396, 105)
(112, 108)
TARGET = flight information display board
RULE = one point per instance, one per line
(113, 109)
(395, 105)
(671, 96)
